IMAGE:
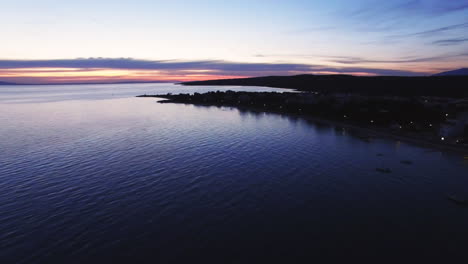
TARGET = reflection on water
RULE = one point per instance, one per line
(98, 178)
(53, 93)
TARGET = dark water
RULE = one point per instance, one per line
(91, 174)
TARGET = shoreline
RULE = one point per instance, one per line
(389, 135)
(369, 131)
(441, 86)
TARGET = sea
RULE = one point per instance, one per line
(92, 174)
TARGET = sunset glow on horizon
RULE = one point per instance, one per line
(77, 75)
(50, 41)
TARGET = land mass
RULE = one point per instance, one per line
(7, 83)
(430, 109)
(459, 72)
(439, 86)
(438, 121)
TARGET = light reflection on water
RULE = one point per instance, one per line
(53, 93)
(95, 177)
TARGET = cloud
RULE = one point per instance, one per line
(449, 42)
(436, 30)
(362, 60)
(371, 71)
(175, 70)
(444, 7)
(377, 9)
(357, 60)
(134, 64)
(376, 16)
(425, 34)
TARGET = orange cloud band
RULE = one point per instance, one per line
(77, 75)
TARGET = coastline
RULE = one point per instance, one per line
(439, 86)
(395, 136)
(369, 131)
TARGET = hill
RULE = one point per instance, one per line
(7, 83)
(459, 72)
(443, 86)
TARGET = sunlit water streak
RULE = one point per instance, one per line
(90, 173)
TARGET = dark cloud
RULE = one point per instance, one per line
(215, 67)
(425, 33)
(436, 30)
(444, 7)
(454, 29)
(355, 60)
(128, 63)
(449, 42)
(378, 9)
(351, 70)
(393, 16)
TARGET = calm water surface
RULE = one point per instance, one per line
(88, 173)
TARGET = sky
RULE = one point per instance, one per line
(56, 41)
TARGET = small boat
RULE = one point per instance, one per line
(457, 200)
(383, 170)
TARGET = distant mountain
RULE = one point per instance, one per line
(443, 86)
(6, 83)
(80, 83)
(459, 72)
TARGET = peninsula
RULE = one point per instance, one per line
(440, 86)
(432, 109)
